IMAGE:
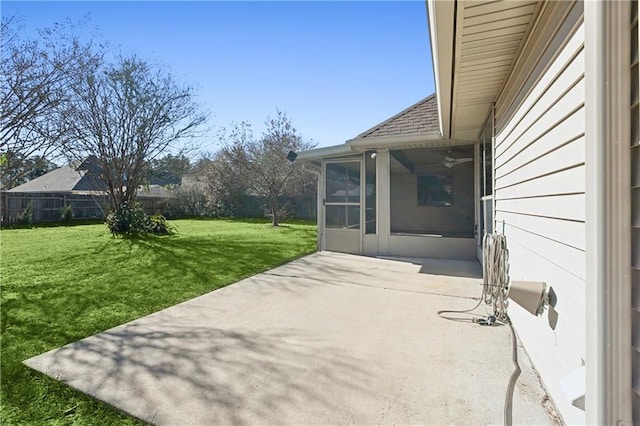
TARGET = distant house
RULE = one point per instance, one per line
(543, 98)
(75, 186)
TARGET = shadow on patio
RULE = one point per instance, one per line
(326, 339)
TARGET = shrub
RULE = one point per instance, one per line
(26, 217)
(190, 201)
(66, 213)
(132, 220)
(128, 220)
(159, 225)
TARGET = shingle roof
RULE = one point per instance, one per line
(63, 179)
(421, 117)
(71, 179)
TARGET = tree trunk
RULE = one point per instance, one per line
(274, 214)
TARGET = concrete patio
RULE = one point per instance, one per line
(327, 339)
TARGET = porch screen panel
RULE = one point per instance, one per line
(432, 191)
(370, 194)
(342, 198)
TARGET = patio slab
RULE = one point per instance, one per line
(327, 339)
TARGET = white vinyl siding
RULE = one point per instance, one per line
(540, 205)
(635, 213)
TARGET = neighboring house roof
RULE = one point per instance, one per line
(69, 179)
(421, 117)
(62, 179)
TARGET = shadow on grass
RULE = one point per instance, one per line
(87, 288)
(57, 224)
(208, 259)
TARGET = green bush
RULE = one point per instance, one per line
(128, 220)
(66, 213)
(26, 217)
(159, 225)
(132, 220)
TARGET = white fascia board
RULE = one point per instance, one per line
(441, 21)
(391, 142)
(328, 151)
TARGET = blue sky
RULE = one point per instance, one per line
(336, 68)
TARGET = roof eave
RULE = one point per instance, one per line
(389, 142)
(328, 151)
(441, 21)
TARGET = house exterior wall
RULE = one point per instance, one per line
(539, 192)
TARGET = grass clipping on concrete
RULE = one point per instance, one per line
(61, 284)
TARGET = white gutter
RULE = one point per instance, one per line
(328, 151)
(608, 258)
(398, 142)
(381, 142)
(441, 14)
(358, 145)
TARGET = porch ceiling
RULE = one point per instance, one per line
(486, 37)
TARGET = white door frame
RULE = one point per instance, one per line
(361, 228)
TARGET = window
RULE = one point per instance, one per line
(435, 190)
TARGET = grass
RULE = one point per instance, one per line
(60, 284)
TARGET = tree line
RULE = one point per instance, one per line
(65, 98)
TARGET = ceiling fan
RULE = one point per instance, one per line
(449, 162)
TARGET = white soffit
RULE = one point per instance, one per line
(489, 36)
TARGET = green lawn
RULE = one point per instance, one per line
(60, 284)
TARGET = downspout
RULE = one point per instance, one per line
(608, 259)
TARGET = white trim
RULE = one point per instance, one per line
(608, 287)
(324, 152)
(320, 208)
(358, 145)
(360, 230)
(383, 197)
(477, 195)
(441, 30)
(379, 142)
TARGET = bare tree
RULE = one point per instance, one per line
(125, 115)
(261, 166)
(225, 183)
(34, 79)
